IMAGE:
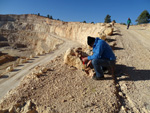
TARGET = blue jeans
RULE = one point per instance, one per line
(99, 63)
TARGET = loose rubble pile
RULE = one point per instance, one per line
(38, 71)
(26, 107)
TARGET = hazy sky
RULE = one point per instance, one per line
(78, 10)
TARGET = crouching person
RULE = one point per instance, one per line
(103, 56)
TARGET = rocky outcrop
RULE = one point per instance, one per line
(25, 107)
(72, 58)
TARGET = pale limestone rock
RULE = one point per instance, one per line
(44, 69)
(18, 60)
(120, 93)
(10, 68)
(108, 31)
(27, 107)
(91, 73)
(102, 36)
(37, 67)
(112, 23)
(37, 54)
(31, 56)
(23, 60)
(40, 72)
(72, 60)
(42, 52)
(12, 110)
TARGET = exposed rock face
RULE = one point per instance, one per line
(33, 30)
(25, 31)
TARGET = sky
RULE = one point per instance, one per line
(78, 10)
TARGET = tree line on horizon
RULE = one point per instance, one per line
(143, 18)
(48, 16)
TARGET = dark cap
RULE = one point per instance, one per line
(90, 40)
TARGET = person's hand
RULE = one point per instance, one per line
(89, 62)
(84, 59)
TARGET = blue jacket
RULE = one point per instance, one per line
(101, 50)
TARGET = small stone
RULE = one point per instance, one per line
(120, 93)
(117, 85)
(11, 110)
(118, 78)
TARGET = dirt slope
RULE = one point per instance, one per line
(133, 59)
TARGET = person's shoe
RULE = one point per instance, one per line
(97, 78)
(105, 70)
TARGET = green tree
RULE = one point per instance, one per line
(51, 17)
(107, 19)
(47, 16)
(84, 21)
(143, 18)
(92, 22)
(114, 21)
(38, 14)
(123, 23)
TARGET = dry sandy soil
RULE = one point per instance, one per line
(133, 59)
(64, 89)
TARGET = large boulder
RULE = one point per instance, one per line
(72, 58)
(108, 31)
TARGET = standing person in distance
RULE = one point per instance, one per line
(128, 23)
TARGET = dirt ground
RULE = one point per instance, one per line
(133, 59)
(64, 89)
